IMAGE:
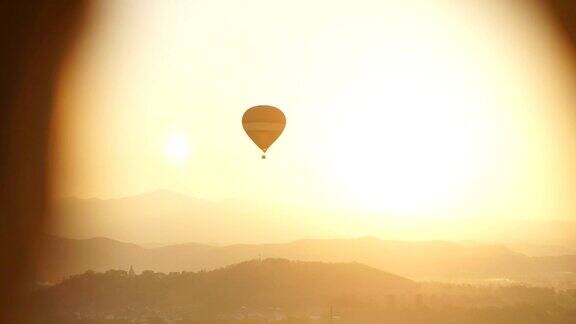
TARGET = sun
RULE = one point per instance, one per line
(177, 148)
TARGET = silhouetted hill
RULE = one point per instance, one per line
(63, 257)
(253, 284)
(282, 291)
(433, 260)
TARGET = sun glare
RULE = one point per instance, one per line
(177, 148)
(432, 117)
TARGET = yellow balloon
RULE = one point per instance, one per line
(263, 124)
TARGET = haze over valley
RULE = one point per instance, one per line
(165, 217)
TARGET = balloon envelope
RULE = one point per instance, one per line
(263, 124)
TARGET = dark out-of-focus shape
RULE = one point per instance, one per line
(34, 37)
(564, 12)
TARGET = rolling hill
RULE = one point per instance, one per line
(164, 217)
(270, 285)
(426, 260)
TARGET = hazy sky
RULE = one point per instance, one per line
(418, 109)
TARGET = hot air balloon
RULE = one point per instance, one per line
(263, 124)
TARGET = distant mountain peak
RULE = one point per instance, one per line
(162, 193)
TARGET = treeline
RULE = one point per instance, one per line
(282, 291)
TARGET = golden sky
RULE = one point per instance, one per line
(418, 109)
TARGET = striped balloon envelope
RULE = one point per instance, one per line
(263, 124)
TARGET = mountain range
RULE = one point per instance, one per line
(163, 217)
(101, 226)
(424, 260)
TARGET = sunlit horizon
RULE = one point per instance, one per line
(452, 113)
